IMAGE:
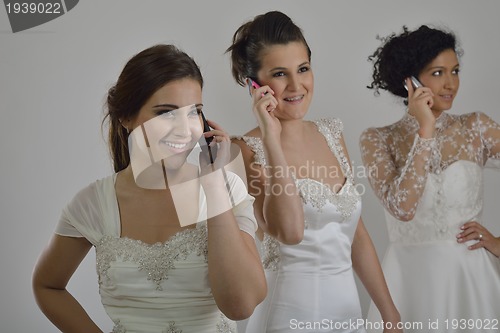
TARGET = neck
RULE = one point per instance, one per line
(437, 113)
(293, 130)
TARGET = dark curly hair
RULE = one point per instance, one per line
(404, 55)
(271, 28)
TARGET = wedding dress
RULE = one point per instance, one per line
(311, 286)
(437, 284)
(152, 288)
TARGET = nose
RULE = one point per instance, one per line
(182, 128)
(451, 81)
(293, 82)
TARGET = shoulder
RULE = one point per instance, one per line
(332, 124)
(91, 197)
(473, 118)
(381, 132)
(248, 138)
(251, 146)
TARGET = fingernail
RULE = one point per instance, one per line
(460, 240)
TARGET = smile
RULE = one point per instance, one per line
(294, 99)
(174, 145)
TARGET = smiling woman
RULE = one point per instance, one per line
(155, 274)
(442, 263)
(310, 220)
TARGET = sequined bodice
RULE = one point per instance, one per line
(175, 272)
(330, 217)
(152, 288)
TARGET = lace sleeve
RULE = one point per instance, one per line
(398, 187)
(490, 138)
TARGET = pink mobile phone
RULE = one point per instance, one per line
(252, 83)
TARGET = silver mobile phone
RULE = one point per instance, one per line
(415, 83)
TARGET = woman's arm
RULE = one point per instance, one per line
(235, 271)
(51, 274)
(366, 265)
(399, 189)
(278, 203)
(278, 206)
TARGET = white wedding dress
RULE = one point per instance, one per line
(311, 286)
(152, 288)
(437, 284)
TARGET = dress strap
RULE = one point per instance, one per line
(256, 146)
(331, 129)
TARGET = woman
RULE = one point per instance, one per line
(158, 272)
(441, 265)
(306, 203)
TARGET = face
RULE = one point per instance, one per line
(171, 121)
(287, 70)
(441, 76)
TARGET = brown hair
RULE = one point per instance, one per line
(271, 28)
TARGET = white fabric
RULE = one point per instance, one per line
(433, 279)
(151, 288)
(311, 286)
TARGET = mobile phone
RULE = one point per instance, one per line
(252, 84)
(210, 150)
(414, 82)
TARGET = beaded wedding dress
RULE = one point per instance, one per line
(311, 286)
(152, 288)
(436, 283)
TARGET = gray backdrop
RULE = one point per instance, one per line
(54, 79)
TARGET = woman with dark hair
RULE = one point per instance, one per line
(427, 170)
(159, 270)
(306, 203)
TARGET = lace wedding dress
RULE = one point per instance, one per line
(436, 185)
(152, 288)
(311, 286)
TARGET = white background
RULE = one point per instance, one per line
(54, 79)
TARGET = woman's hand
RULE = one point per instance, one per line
(391, 321)
(264, 105)
(219, 149)
(420, 102)
(476, 231)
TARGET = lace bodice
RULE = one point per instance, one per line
(400, 163)
(321, 203)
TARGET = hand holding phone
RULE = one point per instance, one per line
(211, 151)
(414, 82)
(252, 84)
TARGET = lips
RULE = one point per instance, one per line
(447, 97)
(178, 146)
(294, 99)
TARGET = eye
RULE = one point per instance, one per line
(277, 74)
(194, 113)
(166, 113)
(456, 71)
(437, 73)
(304, 69)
